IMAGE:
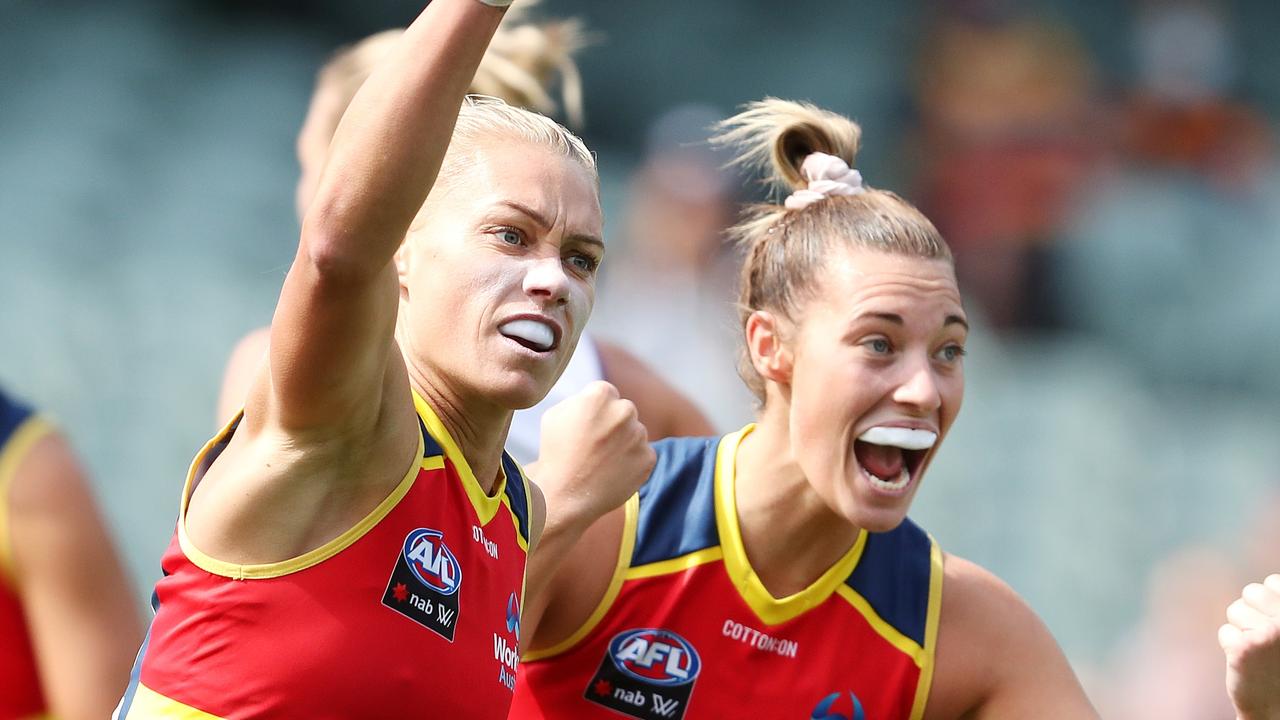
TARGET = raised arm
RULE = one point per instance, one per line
(331, 351)
(592, 457)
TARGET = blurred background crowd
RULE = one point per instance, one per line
(1106, 173)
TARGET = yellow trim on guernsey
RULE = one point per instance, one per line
(891, 634)
(12, 454)
(308, 559)
(925, 683)
(148, 703)
(486, 506)
(625, 548)
(676, 564)
(769, 609)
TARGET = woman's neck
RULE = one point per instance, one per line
(790, 535)
(479, 428)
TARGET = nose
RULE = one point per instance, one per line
(919, 388)
(546, 281)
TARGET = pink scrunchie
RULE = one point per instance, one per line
(827, 175)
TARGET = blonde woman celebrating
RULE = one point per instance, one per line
(773, 572)
(354, 544)
(519, 66)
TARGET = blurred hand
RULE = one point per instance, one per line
(594, 454)
(1251, 641)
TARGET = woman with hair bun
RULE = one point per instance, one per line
(773, 571)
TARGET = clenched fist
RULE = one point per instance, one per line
(1251, 641)
(594, 454)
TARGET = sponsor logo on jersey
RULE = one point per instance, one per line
(763, 642)
(646, 673)
(432, 561)
(838, 706)
(425, 582)
(508, 654)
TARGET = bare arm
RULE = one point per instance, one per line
(81, 613)
(995, 658)
(664, 410)
(331, 337)
(592, 457)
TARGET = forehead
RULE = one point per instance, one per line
(858, 280)
(538, 177)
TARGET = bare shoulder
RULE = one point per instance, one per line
(242, 367)
(664, 410)
(48, 481)
(995, 656)
(537, 513)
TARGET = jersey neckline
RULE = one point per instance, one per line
(768, 608)
(485, 505)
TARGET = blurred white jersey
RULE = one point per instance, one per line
(526, 427)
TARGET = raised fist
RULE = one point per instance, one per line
(594, 454)
(1251, 641)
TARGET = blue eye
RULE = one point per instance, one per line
(583, 262)
(951, 353)
(879, 346)
(510, 237)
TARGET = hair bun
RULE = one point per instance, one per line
(777, 136)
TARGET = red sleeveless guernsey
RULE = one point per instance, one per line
(20, 694)
(687, 630)
(412, 613)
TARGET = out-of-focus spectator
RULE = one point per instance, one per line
(1181, 115)
(1006, 109)
(1171, 254)
(670, 298)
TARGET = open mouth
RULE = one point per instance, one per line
(537, 335)
(891, 456)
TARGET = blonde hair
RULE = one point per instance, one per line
(522, 61)
(482, 116)
(786, 250)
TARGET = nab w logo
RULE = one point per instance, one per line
(659, 657)
(833, 707)
(431, 561)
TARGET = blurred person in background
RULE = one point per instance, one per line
(1251, 640)
(774, 571)
(68, 623)
(1004, 141)
(1192, 197)
(519, 66)
(354, 543)
(670, 301)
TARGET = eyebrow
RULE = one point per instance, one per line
(542, 222)
(897, 319)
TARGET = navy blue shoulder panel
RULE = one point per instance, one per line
(12, 414)
(517, 495)
(677, 502)
(893, 575)
(430, 446)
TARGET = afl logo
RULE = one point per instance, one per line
(431, 561)
(658, 657)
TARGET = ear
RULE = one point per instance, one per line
(770, 355)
